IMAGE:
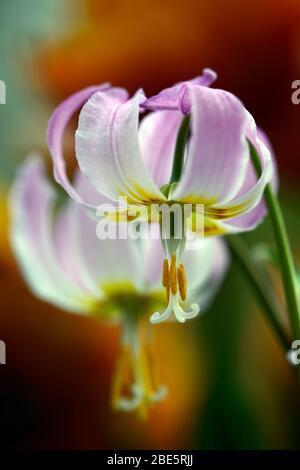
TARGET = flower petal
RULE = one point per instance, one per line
(218, 152)
(252, 218)
(56, 129)
(157, 138)
(174, 98)
(31, 204)
(250, 199)
(107, 149)
(153, 255)
(109, 263)
(205, 266)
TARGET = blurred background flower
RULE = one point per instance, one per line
(232, 387)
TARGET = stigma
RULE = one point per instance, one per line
(135, 385)
(174, 281)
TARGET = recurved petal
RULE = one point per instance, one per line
(174, 98)
(249, 200)
(217, 156)
(31, 233)
(255, 216)
(107, 149)
(56, 129)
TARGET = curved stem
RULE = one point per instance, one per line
(260, 285)
(288, 272)
(180, 149)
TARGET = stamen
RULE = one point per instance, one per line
(173, 275)
(166, 278)
(121, 378)
(165, 274)
(182, 282)
(135, 386)
(176, 280)
(168, 294)
(159, 392)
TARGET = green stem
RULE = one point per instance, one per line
(288, 271)
(260, 285)
(180, 149)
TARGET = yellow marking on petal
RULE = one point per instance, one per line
(173, 275)
(119, 216)
(117, 288)
(211, 227)
(138, 195)
(198, 199)
(228, 212)
(182, 282)
(147, 196)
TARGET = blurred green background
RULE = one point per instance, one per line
(230, 386)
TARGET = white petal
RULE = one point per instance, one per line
(31, 205)
(107, 262)
(205, 266)
(107, 149)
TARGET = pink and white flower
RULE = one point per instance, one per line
(123, 152)
(65, 264)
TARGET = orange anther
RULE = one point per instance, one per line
(182, 282)
(173, 275)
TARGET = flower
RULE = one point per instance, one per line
(119, 157)
(64, 263)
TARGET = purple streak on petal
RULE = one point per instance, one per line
(176, 97)
(166, 99)
(207, 78)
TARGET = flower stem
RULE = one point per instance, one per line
(260, 284)
(180, 149)
(287, 265)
